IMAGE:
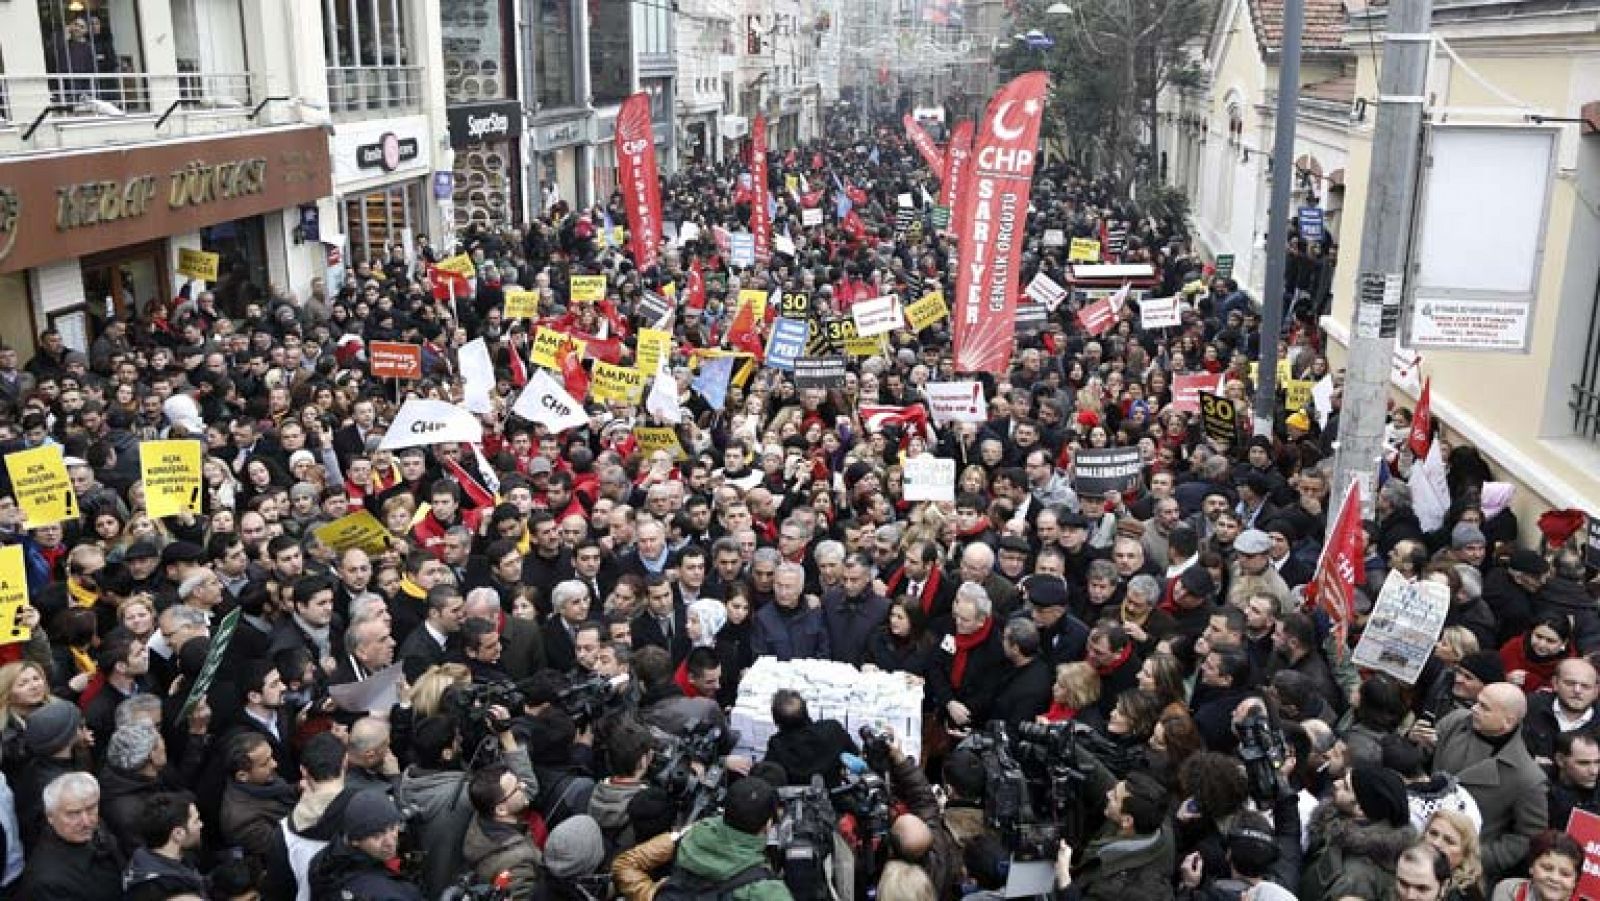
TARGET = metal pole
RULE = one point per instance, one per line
(1385, 240)
(1294, 18)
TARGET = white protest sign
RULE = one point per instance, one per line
(689, 232)
(905, 201)
(878, 316)
(1159, 312)
(375, 694)
(1055, 237)
(422, 421)
(811, 216)
(957, 402)
(547, 403)
(929, 478)
(1404, 626)
(477, 375)
(742, 250)
(1045, 290)
(782, 244)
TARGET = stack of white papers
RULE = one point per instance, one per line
(833, 691)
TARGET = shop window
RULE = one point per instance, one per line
(554, 69)
(610, 53)
(369, 56)
(208, 36)
(373, 222)
(94, 48)
(474, 52)
(242, 269)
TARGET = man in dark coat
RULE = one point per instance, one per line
(852, 612)
(805, 747)
(1025, 688)
(1134, 854)
(966, 670)
(75, 859)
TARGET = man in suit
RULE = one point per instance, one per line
(663, 623)
(650, 555)
(350, 441)
(1483, 748)
(263, 713)
(521, 641)
(571, 601)
(434, 641)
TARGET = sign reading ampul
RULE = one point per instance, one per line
(394, 360)
(99, 199)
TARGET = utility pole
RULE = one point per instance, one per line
(1385, 241)
(1294, 20)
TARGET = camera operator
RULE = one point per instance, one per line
(630, 749)
(721, 856)
(925, 835)
(805, 747)
(1252, 852)
(1132, 857)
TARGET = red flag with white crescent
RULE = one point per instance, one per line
(695, 289)
(638, 178)
(760, 217)
(1340, 569)
(1421, 436)
(992, 224)
(957, 160)
(924, 142)
(573, 377)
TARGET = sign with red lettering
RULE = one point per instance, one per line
(957, 160)
(1186, 390)
(394, 360)
(638, 178)
(992, 225)
(1584, 827)
(760, 216)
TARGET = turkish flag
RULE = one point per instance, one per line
(695, 289)
(1340, 570)
(446, 282)
(992, 225)
(1421, 436)
(574, 379)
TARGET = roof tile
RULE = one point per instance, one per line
(1324, 31)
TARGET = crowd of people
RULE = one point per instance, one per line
(565, 609)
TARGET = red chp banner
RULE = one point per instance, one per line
(957, 156)
(992, 224)
(760, 216)
(925, 146)
(1340, 570)
(641, 185)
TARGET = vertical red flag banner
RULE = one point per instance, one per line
(992, 225)
(1340, 570)
(760, 218)
(695, 290)
(641, 184)
(957, 157)
(1421, 436)
(925, 146)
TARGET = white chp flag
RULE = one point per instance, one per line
(663, 402)
(1121, 297)
(422, 421)
(477, 375)
(546, 402)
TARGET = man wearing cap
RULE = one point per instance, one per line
(1253, 573)
(357, 863)
(144, 565)
(1468, 545)
(1510, 591)
(729, 852)
(1284, 533)
(1062, 636)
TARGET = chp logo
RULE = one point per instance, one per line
(10, 214)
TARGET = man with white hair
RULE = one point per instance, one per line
(368, 648)
(788, 628)
(75, 859)
(977, 566)
(571, 602)
(967, 668)
(521, 643)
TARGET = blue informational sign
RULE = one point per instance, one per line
(787, 343)
(742, 250)
(1311, 223)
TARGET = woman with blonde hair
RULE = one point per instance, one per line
(1455, 836)
(428, 694)
(24, 688)
(137, 614)
(1074, 695)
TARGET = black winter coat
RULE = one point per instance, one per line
(62, 871)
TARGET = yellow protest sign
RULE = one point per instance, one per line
(547, 343)
(670, 290)
(588, 288)
(757, 299)
(40, 482)
(1084, 250)
(1297, 393)
(791, 183)
(654, 438)
(655, 346)
(1285, 371)
(522, 304)
(360, 529)
(198, 264)
(460, 264)
(842, 334)
(925, 312)
(13, 595)
(171, 474)
(615, 383)
(616, 235)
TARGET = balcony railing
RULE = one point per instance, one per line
(358, 90)
(22, 97)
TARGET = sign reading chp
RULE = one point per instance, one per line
(475, 123)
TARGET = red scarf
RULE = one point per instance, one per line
(1060, 713)
(1115, 664)
(930, 587)
(965, 644)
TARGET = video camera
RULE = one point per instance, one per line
(1033, 788)
(802, 839)
(586, 699)
(688, 767)
(1263, 750)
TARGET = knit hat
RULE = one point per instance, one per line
(1528, 562)
(52, 727)
(369, 813)
(574, 848)
(1381, 794)
(303, 489)
(1485, 666)
(1466, 533)
(1252, 541)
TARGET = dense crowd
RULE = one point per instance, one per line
(570, 612)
